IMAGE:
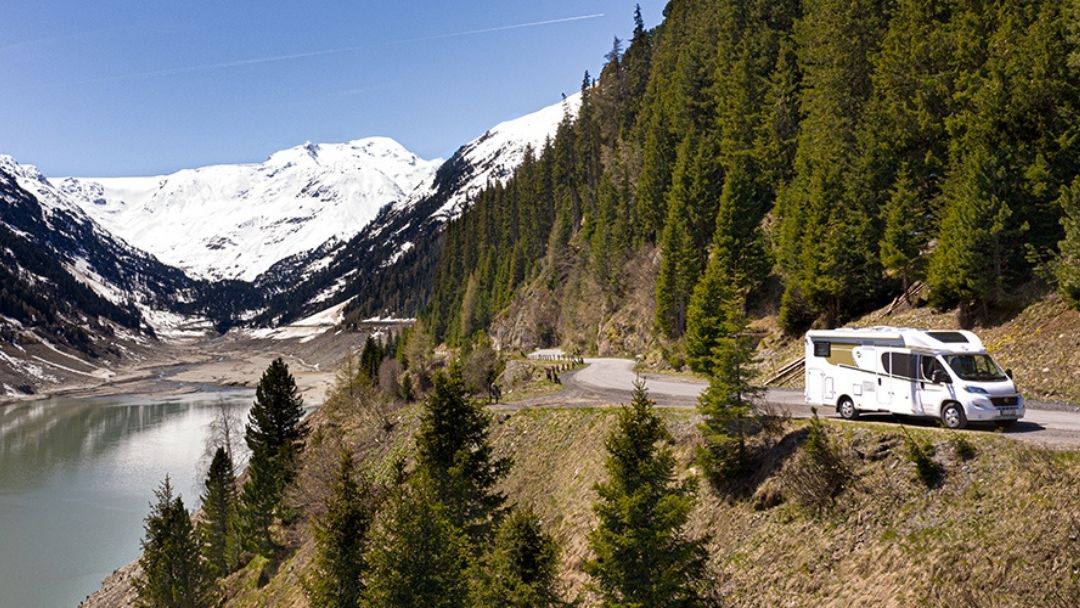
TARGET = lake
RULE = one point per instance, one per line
(76, 479)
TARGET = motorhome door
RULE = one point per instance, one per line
(933, 386)
(901, 369)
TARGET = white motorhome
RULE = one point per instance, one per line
(916, 372)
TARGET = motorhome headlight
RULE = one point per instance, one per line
(976, 390)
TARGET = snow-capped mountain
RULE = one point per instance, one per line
(236, 221)
(398, 245)
(495, 155)
(70, 293)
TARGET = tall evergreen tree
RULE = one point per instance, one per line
(905, 235)
(275, 434)
(1068, 269)
(968, 265)
(643, 556)
(341, 537)
(417, 557)
(680, 259)
(520, 569)
(370, 358)
(826, 236)
(707, 317)
(172, 573)
(453, 448)
(260, 502)
(275, 423)
(728, 403)
(218, 530)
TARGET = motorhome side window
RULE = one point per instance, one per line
(822, 349)
(930, 367)
(899, 364)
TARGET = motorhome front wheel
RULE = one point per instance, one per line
(953, 416)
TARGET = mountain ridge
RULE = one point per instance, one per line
(234, 221)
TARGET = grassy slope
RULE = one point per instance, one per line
(1002, 529)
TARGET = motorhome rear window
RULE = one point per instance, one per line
(948, 337)
(822, 349)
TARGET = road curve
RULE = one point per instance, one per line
(612, 380)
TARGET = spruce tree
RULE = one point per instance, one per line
(679, 258)
(1068, 269)
(218, 530)
(728, 403)
(340, 540)
(260, 501)
(454, 450)
(643, 556)
(370, 358)
(417, 557)
(968, 265)
(520, 570)
(905, 233)
(172, 573)
(275, 423)
(706, 317)
(275, 434)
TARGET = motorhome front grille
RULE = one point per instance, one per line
(1004, 401)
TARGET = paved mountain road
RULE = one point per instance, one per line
(607, 380)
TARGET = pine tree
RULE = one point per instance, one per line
(1068, 269)
(370, 358)
(453, 448)
(172, 573)
(642, 554)
(417, 557)
(341, 537)
(275, 434)
(706, 317)
(520, 570)
(728, 403)
(968, 265)
(275, 423)
(905, 234)
(679, 259)
(260, 501)
(218, 530)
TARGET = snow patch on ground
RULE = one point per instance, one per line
(306, 329)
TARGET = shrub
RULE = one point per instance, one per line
(818, 474)
(964, 449)
(921, 454)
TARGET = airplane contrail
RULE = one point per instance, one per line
(501, 28)
(335, 51)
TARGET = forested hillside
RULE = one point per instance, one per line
(818, 156)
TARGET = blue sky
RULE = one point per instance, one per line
(143, 87)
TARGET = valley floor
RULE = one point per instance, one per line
(186, 365)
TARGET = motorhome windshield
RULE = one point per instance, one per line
(975, 368)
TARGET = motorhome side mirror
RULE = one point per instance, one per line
(939, 377)
(1008, 372)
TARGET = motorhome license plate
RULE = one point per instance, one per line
(1009, 412)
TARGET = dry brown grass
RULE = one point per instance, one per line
(1002, 529)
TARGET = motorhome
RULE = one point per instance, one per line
(944, 374)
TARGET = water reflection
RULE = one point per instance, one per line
(76, 477)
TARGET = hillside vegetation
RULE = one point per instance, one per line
(999, 529)
(809, 157)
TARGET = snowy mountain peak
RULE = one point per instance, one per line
(235, 221)
(495, 155)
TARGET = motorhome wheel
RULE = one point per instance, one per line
(846, 408)
(953, 416)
